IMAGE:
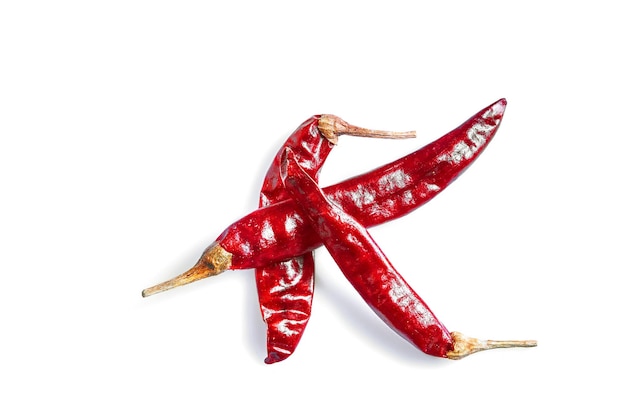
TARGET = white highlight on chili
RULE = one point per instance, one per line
(267, 232)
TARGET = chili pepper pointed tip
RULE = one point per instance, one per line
(498, 108)
(273, 357)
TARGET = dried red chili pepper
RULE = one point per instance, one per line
(285, 288)
(380, 195)
(373, 276)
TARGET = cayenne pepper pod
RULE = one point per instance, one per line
(373, 276)
(285, 288)
(385, 193)
(375, 197)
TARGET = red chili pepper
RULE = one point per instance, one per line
(372, 275)
(365, 266)
(279, 231)
(285, 288)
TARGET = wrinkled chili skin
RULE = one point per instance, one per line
(366, 266)
(279, 231)
(311, 151)
(285, 288)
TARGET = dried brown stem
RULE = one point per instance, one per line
(464, 345)
(332, 127)
(213, 261)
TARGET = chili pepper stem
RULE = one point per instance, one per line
(213, 261)
(464, 345)
(332, 127)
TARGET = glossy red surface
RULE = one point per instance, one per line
(285, 288)
(366, 266)
(279, 231)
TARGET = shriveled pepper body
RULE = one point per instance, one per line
(374, 277)
(280, 231)
(366, 266)
(285, 288)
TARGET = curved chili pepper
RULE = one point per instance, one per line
(372, 275)
(365, 266)
(279, 231)
(285, 288)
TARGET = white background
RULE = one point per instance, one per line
(133, 132)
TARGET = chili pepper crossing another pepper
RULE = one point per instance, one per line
(373, 276)
(285, 288)
(279, 231)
